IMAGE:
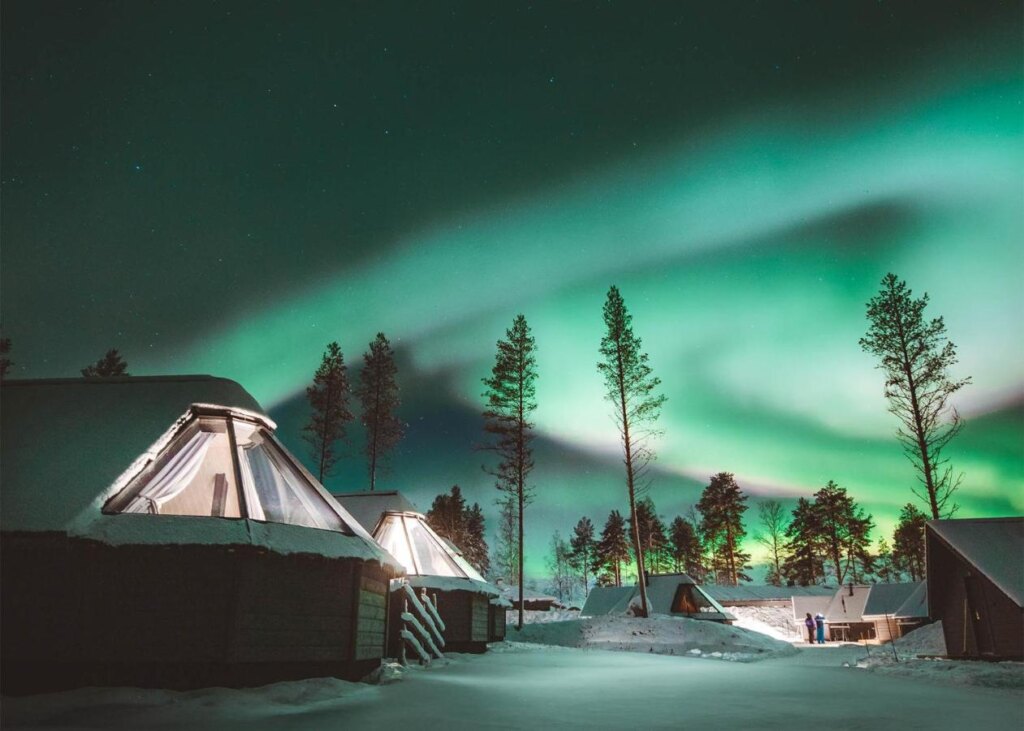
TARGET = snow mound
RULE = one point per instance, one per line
(195, 709)
(535, 616)
(775, 622)
(927, 640)
(1009, 675)
(660, 635)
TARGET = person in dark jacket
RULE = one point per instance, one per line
(810, 625)
(819, 623)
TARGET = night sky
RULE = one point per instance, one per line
(224, 187)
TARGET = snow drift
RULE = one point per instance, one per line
(661, 635)
(929, 642)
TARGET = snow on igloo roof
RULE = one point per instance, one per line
(67, 441)
(71, 444)
(368, 507)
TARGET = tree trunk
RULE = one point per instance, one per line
(919, 432)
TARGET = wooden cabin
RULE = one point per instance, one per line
(976, 586)
(464, 599)
(844, 615)
(533, 600)
(766, 595)
(895, 609)
(677, 595)
(155, 533)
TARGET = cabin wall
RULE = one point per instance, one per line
(465, 615)
(80, 612)
(988, 610)
(497, 618)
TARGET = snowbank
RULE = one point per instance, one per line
(537, 686)
(196, 709)
(775, 622)
(535, 616)
(661, 635)
(929, 641)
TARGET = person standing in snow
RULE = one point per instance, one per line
(810, 625)
(819, 622)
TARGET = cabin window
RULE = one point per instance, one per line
(274, 489)
(196, 475)
(416, 547)
(689, 600)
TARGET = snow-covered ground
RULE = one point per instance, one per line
(658, 634)
(775, 622)
(929, 641)
(533, 616)
(531, 686)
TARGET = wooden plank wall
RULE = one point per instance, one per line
(92, 606)
(372, 616)
(480, 619)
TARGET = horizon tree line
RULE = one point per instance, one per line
(823, 540)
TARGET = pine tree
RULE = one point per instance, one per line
(630, 386)
(771, 533)
(843, 531)
(803, 565)
(685, 548)
(885, 567)
(613, 548)
(328, 397)
(111, 365)
(582, 555)
(722, 505)
(5, 361)
(505, 561)
(908, 542)
(916, 356)
(447, 516)
(652, 536)
(378, 395)
(511, 398)
(476, 551)
(860, 562)
(559, 566)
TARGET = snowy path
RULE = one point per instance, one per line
(565, 688)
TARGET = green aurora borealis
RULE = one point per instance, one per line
(225, 187)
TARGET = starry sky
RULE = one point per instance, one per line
(224, 187)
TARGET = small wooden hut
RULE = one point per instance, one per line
(155, 533)
(464, 599)
(895, 609)
(673, 594)
(976, 585)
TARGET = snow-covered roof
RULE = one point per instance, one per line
(661, 591)
(608, 600)
(69, 445)
(848, 604)
(453, 583)
(994, 546)
(367, 507)
(429, 560)
(886, 599)
(752, 592)
(915, 605)
(529, 595)
(803, 605)
(67, 441)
